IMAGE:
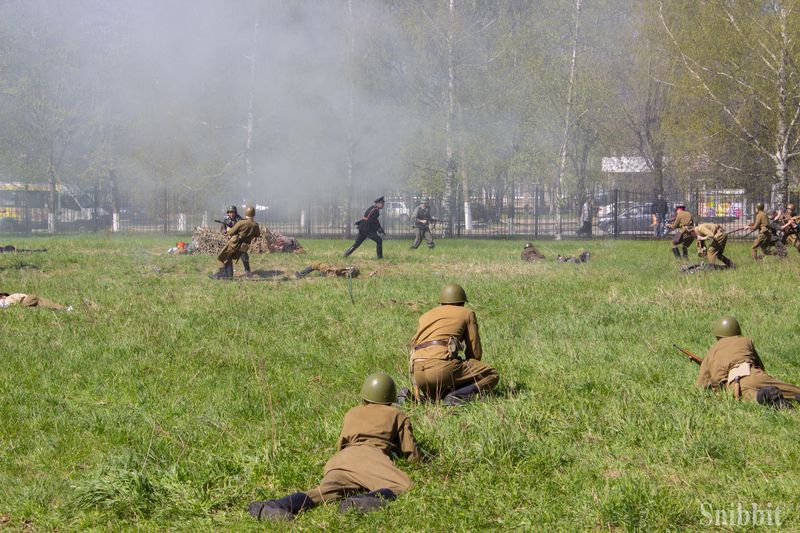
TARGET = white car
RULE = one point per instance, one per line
(397, 210)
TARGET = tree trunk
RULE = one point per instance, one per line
(248, 163)
(567, 118)
(112, 181)
(450, 170)
(781, 158)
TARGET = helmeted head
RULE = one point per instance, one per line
(528, 245)
(726, 326)
(250, 211)
(379, 202)
(424, 202)
(379, 388)
(790, 208)
(760, 206)
(232, 210)
(680, 206)
(452, 293)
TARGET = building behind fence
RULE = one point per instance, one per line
(527, 211)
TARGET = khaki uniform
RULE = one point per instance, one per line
(436, 371)
(240, 236)
(761, 225)
(790, 233)
(532, 254)
(331, 270)
(730, 357)
(371, 434)
(29, 300)
(684, 223)
(715, 238)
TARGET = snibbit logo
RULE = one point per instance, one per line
(741, 515)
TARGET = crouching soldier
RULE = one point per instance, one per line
(733, 364)
(437, 372)
(329, 270)
(711, 242)
(239, 238)
(362, 472)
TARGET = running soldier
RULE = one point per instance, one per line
(369, 227)
(684, 223)
(422, 225)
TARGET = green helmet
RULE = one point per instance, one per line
(452, 293)
(790, 208)
(250, 212)
(528, 245)
(379, 388)
(760, 206)
(726, 326)
(231, 209)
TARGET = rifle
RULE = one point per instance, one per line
(737, 230)
(688, 354)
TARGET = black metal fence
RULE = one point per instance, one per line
(523, 211)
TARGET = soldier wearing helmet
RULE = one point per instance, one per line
(763, 240)
(437, 371)
(422, 225)
(240, 235)
(362, 471)
(684, 237)
(733, 364)
(789, 226)
(232, 216)
(530, 253)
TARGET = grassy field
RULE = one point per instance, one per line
(167, 400)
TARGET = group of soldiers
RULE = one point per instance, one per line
(772, 238)
(361, 473)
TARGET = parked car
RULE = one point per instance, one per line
(636, 219)
(397, 210)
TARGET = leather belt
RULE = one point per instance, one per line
(430, 343)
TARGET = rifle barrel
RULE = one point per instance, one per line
(688, 354)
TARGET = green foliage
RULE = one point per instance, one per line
(167, 400)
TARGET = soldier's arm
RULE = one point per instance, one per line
(473, 340)
(757, 362)
(408, 444)
(704, 377)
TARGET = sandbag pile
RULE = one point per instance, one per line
(210, 241)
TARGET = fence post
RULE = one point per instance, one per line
(615, 209)
(536, 212)
(165, 211)
(95, 208)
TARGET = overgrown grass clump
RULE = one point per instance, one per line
(167, 400)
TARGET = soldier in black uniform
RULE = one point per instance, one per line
(232, 217)
(370, 228)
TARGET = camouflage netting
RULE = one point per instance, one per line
(210, 241)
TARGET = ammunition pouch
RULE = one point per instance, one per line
(739, 371)
(454, 346)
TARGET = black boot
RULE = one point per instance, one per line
(676, 253)
(283, 509)
(462, 395)
(303, 273)
(222, 273)
(349, 251)
(685, 253)
(772, 397)
(229, 269)
(727, 262)
(246, 265)
(366, 503)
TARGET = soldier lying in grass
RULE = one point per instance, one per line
(29, 300)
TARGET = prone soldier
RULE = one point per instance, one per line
(329, 270)
(29, 300)
(362, 471)
(436, 369)
(684, 237)
(582, 258)
(733, 364)
(369, 227)
(240, 235)
(422, 225)
(530, 253)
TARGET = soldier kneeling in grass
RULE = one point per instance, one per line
(530, 253)
(362, 471)
(30, 300)
(734, 365)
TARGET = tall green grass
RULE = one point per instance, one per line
(168, 400)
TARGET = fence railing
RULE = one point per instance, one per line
(528, 212)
